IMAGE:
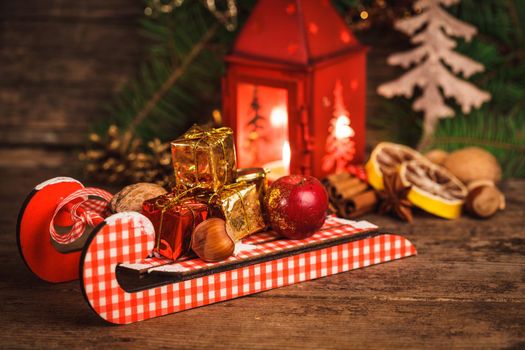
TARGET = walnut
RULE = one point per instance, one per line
(473, 163)
(131, 197)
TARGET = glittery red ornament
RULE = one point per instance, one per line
(296, 206)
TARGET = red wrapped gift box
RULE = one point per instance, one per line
(173, 222)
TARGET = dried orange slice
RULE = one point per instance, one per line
(387, 157)
(434, 189)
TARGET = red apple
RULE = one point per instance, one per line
(296, 206)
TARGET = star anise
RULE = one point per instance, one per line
(394, 197)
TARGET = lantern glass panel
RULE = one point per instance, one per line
(262, 126)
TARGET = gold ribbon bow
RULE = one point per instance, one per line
(198, 132)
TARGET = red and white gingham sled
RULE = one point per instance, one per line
(123, 283)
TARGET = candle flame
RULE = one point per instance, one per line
(279, 117)
(286, 155)
(343, 129)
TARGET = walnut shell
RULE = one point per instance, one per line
(472, 164)
(131, 197)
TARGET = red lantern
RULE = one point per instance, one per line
(294, 91)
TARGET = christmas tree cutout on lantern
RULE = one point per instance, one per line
(255, 127)
(433, 57)
(340, 148)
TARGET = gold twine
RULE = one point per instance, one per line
(232, 187)
(171, 203)
(202, 135)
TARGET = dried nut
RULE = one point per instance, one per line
(211, 241)
(437, 156)
(131, 197)
(484, 199)
(473, 163)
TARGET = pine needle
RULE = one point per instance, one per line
(172, 79)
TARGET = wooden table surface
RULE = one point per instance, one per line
(466, 288)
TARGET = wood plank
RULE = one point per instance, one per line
(270, 322)
(29, 159)
(62, 62)
(44, 69)
(82, 37)
(57, 9)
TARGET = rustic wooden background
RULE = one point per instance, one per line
(61, 62)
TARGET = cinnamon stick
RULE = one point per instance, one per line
(360, 212)
(365, 199)
(349, 196)
(362, 204)
(332, 208)
(334, 182)
(358, 205)
(334, 178)
(351, 190)
(337, 188)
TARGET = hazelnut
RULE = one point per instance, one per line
(211, 241)
(484, 199)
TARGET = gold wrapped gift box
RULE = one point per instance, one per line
(239, 205)
(204, 158)
(204, 163)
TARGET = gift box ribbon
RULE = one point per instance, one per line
(204, 135)
(232, 188)
(165, 204)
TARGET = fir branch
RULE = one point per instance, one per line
(177, 85)
(513, 13)
(477, 141)
(171, 80)
(520, 106)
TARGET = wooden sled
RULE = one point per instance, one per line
(123, 282)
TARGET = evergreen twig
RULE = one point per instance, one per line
(478, 141)
(172, 79)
